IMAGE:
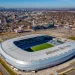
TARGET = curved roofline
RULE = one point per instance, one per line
(10, 49)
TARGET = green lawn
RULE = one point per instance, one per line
(72, 38)
(41, 47)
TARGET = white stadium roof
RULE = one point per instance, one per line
(17, 53)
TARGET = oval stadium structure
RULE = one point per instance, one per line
(36, 51)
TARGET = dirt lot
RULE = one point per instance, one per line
(0, 73)
(59, 32)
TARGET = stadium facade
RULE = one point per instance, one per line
(28, 61)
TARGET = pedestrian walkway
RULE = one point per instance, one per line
(3, 70)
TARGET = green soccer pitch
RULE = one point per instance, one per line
(41, 47)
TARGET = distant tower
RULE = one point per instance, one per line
(51, 25)
(52, 22)
(0, 22)
(33, 23)
(33, 26)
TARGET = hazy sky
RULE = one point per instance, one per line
(37, 3)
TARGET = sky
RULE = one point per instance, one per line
(37, 3)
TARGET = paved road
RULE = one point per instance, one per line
(64, 69)
(3, 70)
(71, 73)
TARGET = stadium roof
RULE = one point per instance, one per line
(17, 53)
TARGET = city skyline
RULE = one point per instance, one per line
(37, 3)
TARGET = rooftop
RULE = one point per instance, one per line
(17, 53)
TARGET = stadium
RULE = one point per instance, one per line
(36, 51)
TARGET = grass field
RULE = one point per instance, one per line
(72, 38)
(41, 47)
